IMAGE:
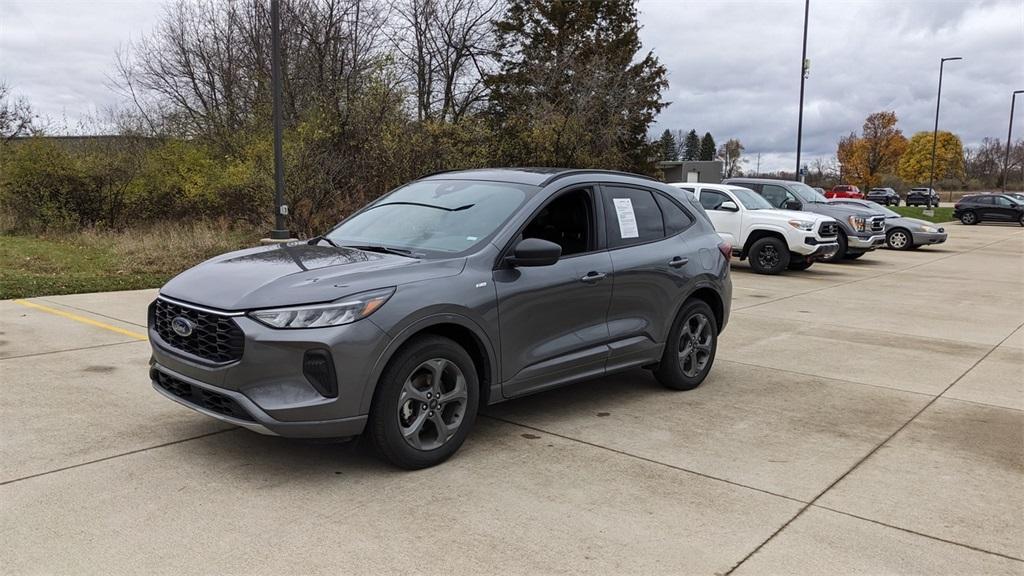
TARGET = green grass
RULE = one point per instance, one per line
(37, 266)
(941, 214)
(92, 261)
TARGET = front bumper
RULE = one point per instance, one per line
(924, 238)
(865, 243)
(268, 384)
(246, 413)
(816, 247)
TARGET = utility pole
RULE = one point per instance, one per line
(804, 69)
(1009, 139)
(935, 136)
(280, 208)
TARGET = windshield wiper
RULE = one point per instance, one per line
(316, 240)
(385, 250)
(446, 209)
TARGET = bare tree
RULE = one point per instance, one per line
(445, 47)
(16, 117)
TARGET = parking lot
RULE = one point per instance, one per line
(861, 417)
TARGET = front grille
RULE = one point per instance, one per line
(828, 229)
(878, 224)
(201, 397)
(214, 337)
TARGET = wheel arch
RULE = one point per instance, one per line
(760, 233)
(464, 332)
(707, 293)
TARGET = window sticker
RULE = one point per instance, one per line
(627, 219)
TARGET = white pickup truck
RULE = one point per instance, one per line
(773, 240)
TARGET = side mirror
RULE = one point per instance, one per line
(793, 205)
(729, 206)
(535, 252)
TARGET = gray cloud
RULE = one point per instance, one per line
(734, 68)
(733, 64)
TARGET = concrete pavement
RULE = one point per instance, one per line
(863, 417)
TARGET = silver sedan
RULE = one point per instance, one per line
(902, 233)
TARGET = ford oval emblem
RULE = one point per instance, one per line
(182, 326)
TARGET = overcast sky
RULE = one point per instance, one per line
(733, 65)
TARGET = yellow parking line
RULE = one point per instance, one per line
(82, 319)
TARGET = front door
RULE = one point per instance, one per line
(728, 223)
(553, 319)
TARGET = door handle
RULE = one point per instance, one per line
(678, 262)
(593, 277)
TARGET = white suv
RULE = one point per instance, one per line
(772, 239)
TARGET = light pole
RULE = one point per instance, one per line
(935, 132)
(1009, 136)
(280, 209)
(803, 76)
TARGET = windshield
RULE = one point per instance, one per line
(440, 216)
(750, 199)
(879, 208)
(805, 192)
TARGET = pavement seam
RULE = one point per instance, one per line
(829, 378)
(876, 276)
(922, 534)
(80, 309)
(71, 349)
(867, 456)
(113, 456)
(643, 458)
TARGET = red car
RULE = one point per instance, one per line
(844, 191)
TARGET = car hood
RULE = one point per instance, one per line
(912, 223)
(297, 273)
(787, 215)
(839, 211)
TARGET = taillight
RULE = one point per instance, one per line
(726, 249)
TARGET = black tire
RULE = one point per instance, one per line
(840, 251)
(968, 218)
(769, 255)
(671, 371)
(899, 239)
(408, 366)
(1021, 221)
(800, 264)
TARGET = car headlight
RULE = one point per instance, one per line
(802, 225)
(344, 311)
(929, 229)
(857, 222)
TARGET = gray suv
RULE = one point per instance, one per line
(861, 230)
(455, 291)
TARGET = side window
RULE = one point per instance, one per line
(984, 200)
(676, 220)
(775, 195)
(567, 221)
(712, 199)
(1001, 201)
(632, 216)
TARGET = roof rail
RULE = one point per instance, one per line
(578, 171)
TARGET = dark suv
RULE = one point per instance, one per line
(453, 292)
(884, 196)
(975, 208)
(861, 230)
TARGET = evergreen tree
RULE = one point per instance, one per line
(667, 146)
(691, 147)
(707, 147)
(572, 87)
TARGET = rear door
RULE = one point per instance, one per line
(652, 267)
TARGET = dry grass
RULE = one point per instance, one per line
(99, 261)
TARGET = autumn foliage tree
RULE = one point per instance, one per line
(866, 159)
(915, 164)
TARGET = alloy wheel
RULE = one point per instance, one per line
(967, 218)
(432, 404)
(768, 256)
(898, 240)
(695, 344)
